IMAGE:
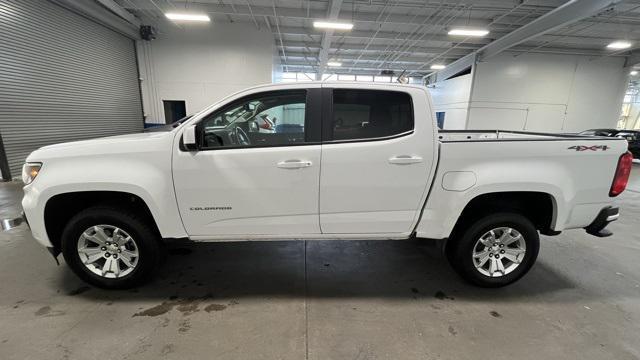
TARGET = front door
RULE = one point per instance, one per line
(257, 169)
(377, 155)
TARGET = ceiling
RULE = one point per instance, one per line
(402, 35)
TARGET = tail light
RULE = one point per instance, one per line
(621, 178)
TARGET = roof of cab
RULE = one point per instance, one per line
(336, 84)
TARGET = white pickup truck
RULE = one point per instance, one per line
(341, 161)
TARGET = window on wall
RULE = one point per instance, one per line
(347, 77)
(440, 119)
(289, 77)
(266, 119)
(368, 114)
(630, 105)
(298, 76)
(383, 79)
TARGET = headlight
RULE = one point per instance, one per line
(30, 171)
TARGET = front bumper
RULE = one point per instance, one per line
(606, 216)
(8, 224)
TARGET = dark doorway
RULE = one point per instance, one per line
(174, 110)
(5, 170)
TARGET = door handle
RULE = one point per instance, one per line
(294, 164)
(405, 159)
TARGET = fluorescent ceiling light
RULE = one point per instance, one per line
(437, 67)
(332, 25)
(619, 45)
(188, 17)
(634, 73)
(469, 32)
(334, 63)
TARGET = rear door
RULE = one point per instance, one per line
(377, 153)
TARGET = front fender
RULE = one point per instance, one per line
(146, 180)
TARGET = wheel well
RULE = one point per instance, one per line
(538, 207)
(62, 207)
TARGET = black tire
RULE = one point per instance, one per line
(145, 236)
(460, 248)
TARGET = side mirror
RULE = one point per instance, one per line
(189, 138)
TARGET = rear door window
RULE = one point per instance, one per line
(370, 114)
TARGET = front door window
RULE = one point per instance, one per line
(267, 119)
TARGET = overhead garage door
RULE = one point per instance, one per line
(63, 77)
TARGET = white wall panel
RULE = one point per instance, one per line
(537, 79)
(452, 97)
(598, 92)
(455, 118)
(558, 93)
(530, 117)
(202, 63)
(501, 118)
(545, 118)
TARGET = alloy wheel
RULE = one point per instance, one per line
(108, 251)
(499, 251)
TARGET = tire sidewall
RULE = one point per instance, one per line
(143, 236)
(463, 248)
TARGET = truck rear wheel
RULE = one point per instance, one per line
(495, 250)
(110, 248)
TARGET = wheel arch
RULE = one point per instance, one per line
(539, 207)
(60, 208)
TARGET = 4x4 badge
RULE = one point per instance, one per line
(592, 148)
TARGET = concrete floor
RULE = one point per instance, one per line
(328, 300)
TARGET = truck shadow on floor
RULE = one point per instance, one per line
(334, 269)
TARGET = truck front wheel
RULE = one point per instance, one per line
(110, 248)
(495, 250)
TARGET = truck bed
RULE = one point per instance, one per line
(506, 135)
(575, 170)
